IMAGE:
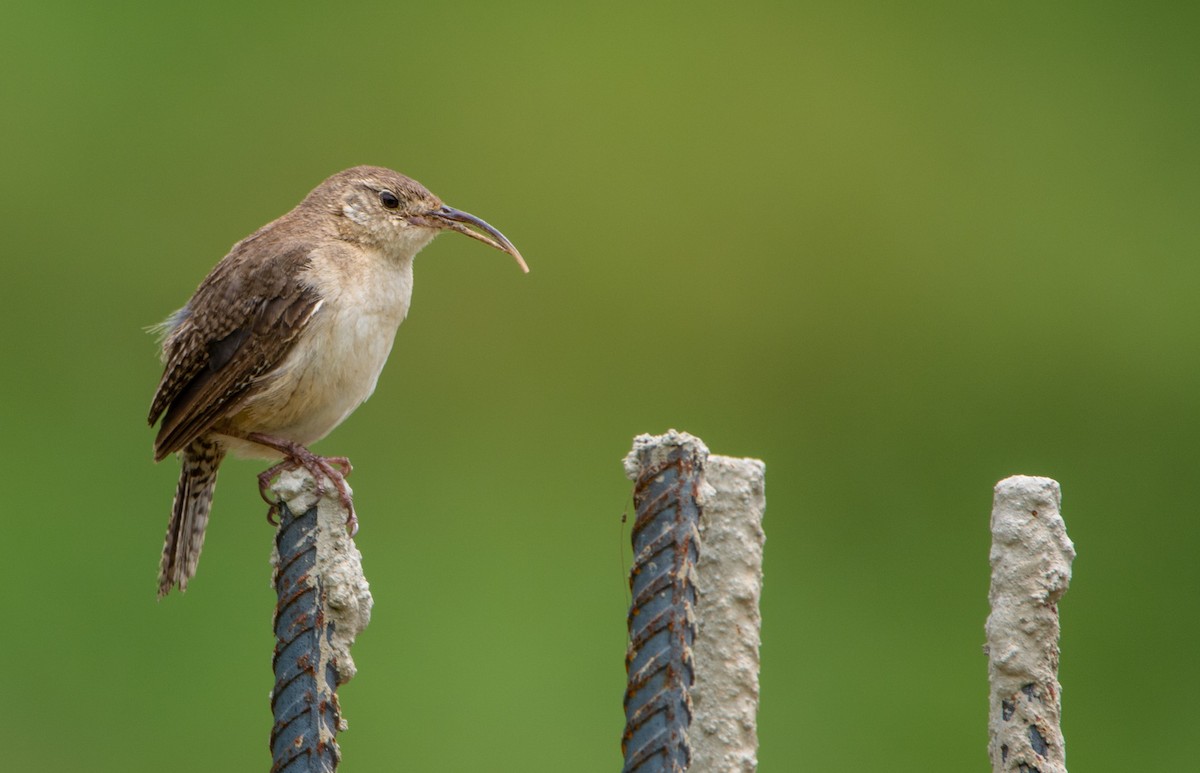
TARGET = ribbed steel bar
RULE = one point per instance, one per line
(304, 700)
(666, 546)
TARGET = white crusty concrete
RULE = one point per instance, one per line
(1031, 568)
(724, 730)
(338, 567)
(659, 446)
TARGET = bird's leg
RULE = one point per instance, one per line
(336, 468)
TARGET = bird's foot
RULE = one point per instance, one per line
(295, 456)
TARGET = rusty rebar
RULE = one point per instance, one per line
(322, 603)
(668, 472)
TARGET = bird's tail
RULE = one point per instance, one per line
(189, 514)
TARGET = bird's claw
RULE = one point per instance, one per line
(335, 468)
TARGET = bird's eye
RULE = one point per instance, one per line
(388, 199)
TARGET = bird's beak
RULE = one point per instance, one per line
(453, 219)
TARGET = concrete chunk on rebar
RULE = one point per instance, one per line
(655, 449)
(724, 734)
(1031, 567)
(338, 564)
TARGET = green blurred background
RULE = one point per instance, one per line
(897, 253)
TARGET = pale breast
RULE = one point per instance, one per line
(336, 362)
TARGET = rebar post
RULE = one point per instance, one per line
(667, 471)
(323, 603)
(1031, 568)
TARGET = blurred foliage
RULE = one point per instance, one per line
(898, 253)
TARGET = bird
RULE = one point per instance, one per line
(287, 336)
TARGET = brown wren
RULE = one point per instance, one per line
(287, 335)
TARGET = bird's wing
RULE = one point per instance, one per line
(242, 321)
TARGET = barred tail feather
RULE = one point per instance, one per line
(189, 514)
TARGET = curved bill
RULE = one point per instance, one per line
(456, 220)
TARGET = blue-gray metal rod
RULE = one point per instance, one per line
(668, 472)
(323, 603)
(304, 700)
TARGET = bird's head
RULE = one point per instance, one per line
(397, 214)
